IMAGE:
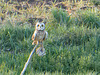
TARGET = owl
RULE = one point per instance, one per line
(39, 36)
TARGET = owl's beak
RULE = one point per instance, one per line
(40, 26)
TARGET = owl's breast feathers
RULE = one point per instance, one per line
(39, 35)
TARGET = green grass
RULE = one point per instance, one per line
(88, 18)
(15, 38)
(54, 73)
(72, 48)
(95, 2)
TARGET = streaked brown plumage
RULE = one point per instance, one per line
(39, 35)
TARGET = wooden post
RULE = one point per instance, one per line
(26, 64)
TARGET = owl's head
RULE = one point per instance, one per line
(40, 26)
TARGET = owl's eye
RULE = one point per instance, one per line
(38, 25)
(42, 25)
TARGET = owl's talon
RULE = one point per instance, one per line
(32, 43)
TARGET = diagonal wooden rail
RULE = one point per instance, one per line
(26, 64)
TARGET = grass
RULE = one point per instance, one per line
(54, 73)
(88, 18)
(72, 48)
(96, 2)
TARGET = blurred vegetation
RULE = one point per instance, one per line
(89, 19)
(96, 2)
(73, 45)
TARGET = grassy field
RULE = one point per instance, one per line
(73, 44)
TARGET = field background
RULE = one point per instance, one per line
(73, 44)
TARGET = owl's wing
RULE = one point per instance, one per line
(34, 35)
(46, 35)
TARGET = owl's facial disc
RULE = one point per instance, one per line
(40, 26)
